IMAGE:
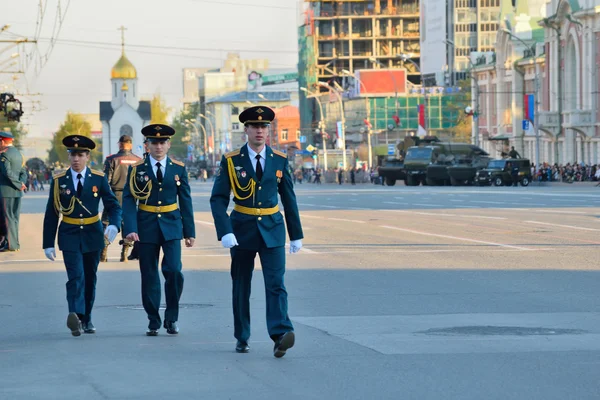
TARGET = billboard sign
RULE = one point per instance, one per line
(381, 82)
(433, 33)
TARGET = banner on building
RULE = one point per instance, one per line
(529, 107)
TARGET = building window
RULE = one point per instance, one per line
(126, 130)
(235, 110)
(134, 90)
(235, 126)
(284, 134)
(115, 95)
(297, 134)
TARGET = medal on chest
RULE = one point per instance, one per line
(177, 181)
(279, 175)
(95, 190)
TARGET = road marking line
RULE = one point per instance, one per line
(446, 215)
(399, 198)
(563, 226)
(454, 238)
(467, 207)
(560, 212)
(487, 202)
(427, 205)
(392, 202)
(347, 220)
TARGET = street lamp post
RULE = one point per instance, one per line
(348, 74)
(321, 123)
(331, 89)
(475, 101)
(212, 132)
(537, 101)
(191, 122)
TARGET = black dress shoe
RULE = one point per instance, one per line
(74, 324)
(242, 347)
(88, 327)
(171, 327)
(152, 332)
(283, 343)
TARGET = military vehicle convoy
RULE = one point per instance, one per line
(498, 172)
(444, 163)
(393, 169)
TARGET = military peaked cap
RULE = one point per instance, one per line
(158, 132)
(257, 115)
(78, 143)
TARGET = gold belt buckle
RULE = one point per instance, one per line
(80, 221)
(157, 209)
(258, 211)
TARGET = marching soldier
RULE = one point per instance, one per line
(256, 174)
(3, 224)
(135, 255)
(153, 217)
(75, 195)
(115, 169)
(12, 186)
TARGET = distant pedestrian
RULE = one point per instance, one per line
(513, 153)
(340, 176)
(12, 186)
(352, 176)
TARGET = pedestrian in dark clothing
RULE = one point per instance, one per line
(340, 176)
(352, 176)
(513, 153)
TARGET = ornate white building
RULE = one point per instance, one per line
(125, 114)
(526, 62)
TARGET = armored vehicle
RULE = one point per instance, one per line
(498, 174)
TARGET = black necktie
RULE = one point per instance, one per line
(159, 176)
(259, 171)
(79, 186)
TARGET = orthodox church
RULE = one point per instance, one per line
(125, 114)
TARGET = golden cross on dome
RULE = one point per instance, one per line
(122, 29)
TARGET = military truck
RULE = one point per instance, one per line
(392, 169)
(464, 170)
(430, 165)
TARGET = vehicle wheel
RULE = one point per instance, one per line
(411, 181)
(525, 181)
(406, 182)
(430, 182)
(390, 181)
(498, 182)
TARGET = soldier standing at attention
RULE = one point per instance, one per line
(75, 194)
(256, 174)
(12, 185)
(115, 169)
(158, 212)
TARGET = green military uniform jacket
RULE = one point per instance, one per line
(142, 190)
(63, 200)
(236, 174)
(12, 173)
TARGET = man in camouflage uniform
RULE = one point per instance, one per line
(115, 169)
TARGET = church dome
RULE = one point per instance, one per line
(123, 69)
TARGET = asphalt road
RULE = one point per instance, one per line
(412, 293)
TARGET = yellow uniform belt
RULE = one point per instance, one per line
(255, 211)
(81, 221)
(158, 209)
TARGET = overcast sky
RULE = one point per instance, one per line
(77, 75)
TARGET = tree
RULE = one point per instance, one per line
(461, 132)
(183, 131)
(159, 110)
(73, 124)
(15, 128)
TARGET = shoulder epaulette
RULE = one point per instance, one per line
(232, 153)
(178, 163)
(96, 172)
(59, 175)
(279, 153)
(139, 163)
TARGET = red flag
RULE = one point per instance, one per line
(367, 123)
(396, 120)
(422, 115)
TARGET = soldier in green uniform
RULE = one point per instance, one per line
(75, 195)
(255, 174)
(12, 186)
(158, 212)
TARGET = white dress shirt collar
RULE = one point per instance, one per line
(74, 176)
(252, 154)
(163, 162)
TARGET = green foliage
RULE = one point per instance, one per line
(461, 131)
(183, 131)
(73, 124)
(15, 128)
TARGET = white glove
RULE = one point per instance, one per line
(228, 241)
(50, 253)
(295, 246)
(111, 233)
